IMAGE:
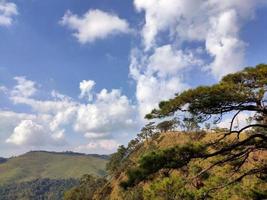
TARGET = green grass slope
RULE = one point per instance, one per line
(39, 165)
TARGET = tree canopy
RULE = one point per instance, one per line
(243, 91)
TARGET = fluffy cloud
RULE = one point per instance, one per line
(224, 44)
(86, 89)
(9, 120)
(30, 133)
(216, 23)
(159, 15)
(110, 112)
(167, 61)
(94, 24)
(191, 31)
(98, 120)
(7, 12)
(157, 75)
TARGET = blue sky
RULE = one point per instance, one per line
(80, 75)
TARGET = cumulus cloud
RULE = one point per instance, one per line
(94, 24)
(109, 113)
(30, 133)
(224, 44)
(7, 12)
(166, 61)
(9, 120)
(158, 75)
(216, 23)
(178, 36)
(86, 89)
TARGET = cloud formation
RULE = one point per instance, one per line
(32, 134)
(181, 36)
(157, 75)
(7, 12)
(216, 23)
(108, 114)
(94, 24)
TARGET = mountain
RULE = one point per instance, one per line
(2, 160)
(51, 165)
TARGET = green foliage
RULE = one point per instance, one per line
(257, 194)
(244, 91)
(35, 165)
(169, 188)
(147, 131)
(171, 158)
(37, 190)
(116, 159)
(86, 189)
(135, 193)
(167, 125)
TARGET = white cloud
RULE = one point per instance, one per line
(216, 23)
(168, 61)
(224, 44)
(157, 76)
(108, 114)
(94, 24)
(24, 87)
(108, 145)
(9, 119)
(86, 89)
(30, 133)
(159, 15)
(7, 12)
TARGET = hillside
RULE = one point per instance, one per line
(41, 164)
(157, 185)
(173, 184)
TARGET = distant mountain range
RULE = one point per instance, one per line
(52, 165)
(2, 160)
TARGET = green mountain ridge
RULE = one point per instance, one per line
(53, 165)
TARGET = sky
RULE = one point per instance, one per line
(79, 75)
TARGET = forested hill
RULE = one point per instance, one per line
(41, 164)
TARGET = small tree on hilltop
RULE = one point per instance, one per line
(168, 125)
(147, 131)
